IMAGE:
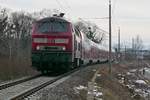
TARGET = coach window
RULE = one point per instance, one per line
(79, 46)
(72, 29)
(77, 32)
(75, 44)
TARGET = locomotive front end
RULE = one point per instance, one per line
(51, 44)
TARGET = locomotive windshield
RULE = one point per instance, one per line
(51, 26)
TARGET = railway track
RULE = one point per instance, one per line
(9, 84)
(15, 93)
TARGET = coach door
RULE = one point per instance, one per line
(77, 43)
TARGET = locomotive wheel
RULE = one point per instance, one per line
(90, 61)
(81, 62)
(77, 62)
(64, 68)
(43, 72)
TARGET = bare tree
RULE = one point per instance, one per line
(137, 46)
(3, 22)
(4, 29)
(21, 34)
(43, 13)
(15, 42)
(138, 43)
(22, 23)
(92, 31)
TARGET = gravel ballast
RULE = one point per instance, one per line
(72, 88)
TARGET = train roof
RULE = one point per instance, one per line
(60, 19)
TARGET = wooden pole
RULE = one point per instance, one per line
(110, 59)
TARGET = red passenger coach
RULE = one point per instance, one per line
(52, 44)
(93, 52)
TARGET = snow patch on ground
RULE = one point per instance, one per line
(98, 75)
(79, 88)
(94, 70)
(128, 73)
(140, 82)
(94, 91)
(138, 90)
(133, 70)
(135, 82)
(97, 94)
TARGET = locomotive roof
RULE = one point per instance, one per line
(60, 19)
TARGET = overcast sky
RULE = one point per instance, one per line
(132, 16)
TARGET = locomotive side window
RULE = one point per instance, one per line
(52, 26)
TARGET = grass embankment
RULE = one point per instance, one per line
(112, 89)
(14, 68)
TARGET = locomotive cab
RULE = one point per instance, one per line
(52, 44)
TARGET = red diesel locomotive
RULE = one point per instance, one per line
(58, 45)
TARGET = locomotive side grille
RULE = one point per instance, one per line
(46, 40)
(51, 48)
(61, 40)
(40, 40)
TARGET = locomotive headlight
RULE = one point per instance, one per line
(40, 40)
(38, 48)
(61, 41)
(63, 48)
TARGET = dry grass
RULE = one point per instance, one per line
(14, 68)
(111, 88)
